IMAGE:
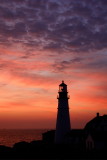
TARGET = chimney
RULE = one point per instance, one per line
(98, 114)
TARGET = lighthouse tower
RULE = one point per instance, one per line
(63, 118)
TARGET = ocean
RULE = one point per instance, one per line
(9, 137)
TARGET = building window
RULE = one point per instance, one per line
(90, 145)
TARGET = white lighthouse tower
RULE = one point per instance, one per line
(63, 118)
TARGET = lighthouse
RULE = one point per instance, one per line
(63, 118)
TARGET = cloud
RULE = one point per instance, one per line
(79, 28)
(38, 28)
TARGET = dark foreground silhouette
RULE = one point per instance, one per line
(87, 143)
(41, 150)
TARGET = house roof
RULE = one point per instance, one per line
(50, 132)
(99, 123)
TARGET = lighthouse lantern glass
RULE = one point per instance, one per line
(61, 88)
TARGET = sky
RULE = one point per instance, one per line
(43, 42)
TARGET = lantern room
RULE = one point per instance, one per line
(62, 87)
